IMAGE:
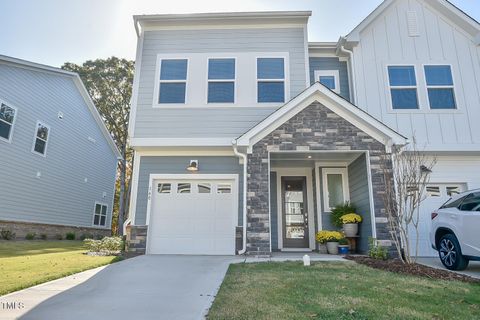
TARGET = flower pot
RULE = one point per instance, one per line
(350, 229)
(322, 248)
(343, 249)
(332, 247)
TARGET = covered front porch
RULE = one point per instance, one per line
(306, 186)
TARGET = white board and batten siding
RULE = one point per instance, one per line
(411, 32)
(196, 118)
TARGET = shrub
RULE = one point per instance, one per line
(328, 236)
(30, 236)
(106, 246)
(43, 236)
(7, 234)
(351, 218)
(375, 251)
(98, 236)
(70, 236)
(86, 236)
(58, 236)
(339, 211)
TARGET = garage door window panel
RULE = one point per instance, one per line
(164, 188)
(184, 188)
(224, 188)
(204, 188)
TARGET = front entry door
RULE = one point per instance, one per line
(295, 215)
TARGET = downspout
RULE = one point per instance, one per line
(352, 73)
(244, 207)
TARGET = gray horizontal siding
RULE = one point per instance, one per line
(359, 197)
(60, 195)
(331, 63)
(157, 123)
(177, 165)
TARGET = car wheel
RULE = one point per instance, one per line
(450, 253)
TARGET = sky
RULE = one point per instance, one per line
(56, 31)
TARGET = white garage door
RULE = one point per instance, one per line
(437, 194)
(193, 217)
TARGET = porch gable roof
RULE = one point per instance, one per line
(321, 94)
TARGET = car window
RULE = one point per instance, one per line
(471, 203)
(453, 204)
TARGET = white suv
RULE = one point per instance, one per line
(455, 231)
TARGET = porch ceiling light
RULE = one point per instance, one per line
(193, 167)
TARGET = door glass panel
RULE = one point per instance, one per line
(204, 188)
(164, 187)
(453, 190)
(335, 189)
(224, 188)
(433, 191)
(294, 210)
(183, 188)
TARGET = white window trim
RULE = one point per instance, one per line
(440, 87)
(156, 91)
(44, 154)
(106, 215)
(329, 73)
(346, 191)
(9, 140)
(285, 80)
(234, 80)
(390, 102)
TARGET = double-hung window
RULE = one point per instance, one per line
(7, 118)
(42, 133)
(221, 80)
(270, 80)
(439, 80)
(403, 87)
(173, 81)
(100, 215)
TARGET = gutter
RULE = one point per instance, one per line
(244, 207)
(352, 68)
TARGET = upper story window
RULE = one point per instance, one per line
(439, 81)
(41, 139)
(270, 80)
(329, 78)
(221, 80)
(403, 87)
(7, 120)
(173, 81)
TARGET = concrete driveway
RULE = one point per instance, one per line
(473, 269)
(145, 287)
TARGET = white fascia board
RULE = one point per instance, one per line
(35, 66)
(346, 110)
(96, 115)
(181, 142)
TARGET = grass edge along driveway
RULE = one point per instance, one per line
(336, 290)
(27, 263)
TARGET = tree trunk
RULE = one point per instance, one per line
(121, 198)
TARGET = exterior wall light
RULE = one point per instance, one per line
(193, 167)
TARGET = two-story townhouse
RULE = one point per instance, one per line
(58, 159)
(226, 98)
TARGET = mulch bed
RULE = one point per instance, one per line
(397, 266)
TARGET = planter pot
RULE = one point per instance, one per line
(343, 249)
(350, 229)
(332, 247)
(322, 248)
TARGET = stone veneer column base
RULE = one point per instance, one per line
(22, 228)
(136, 242)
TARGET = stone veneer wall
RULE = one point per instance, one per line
(314, 128)
(22, 228)
(136, 240)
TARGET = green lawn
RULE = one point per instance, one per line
(27, 263)
(330, 290)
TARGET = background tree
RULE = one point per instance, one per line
(109, 83)
(406, 174)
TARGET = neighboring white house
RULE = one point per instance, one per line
(224, 98)
(58, 159)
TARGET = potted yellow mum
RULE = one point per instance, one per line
(350, 224)
(331, 238)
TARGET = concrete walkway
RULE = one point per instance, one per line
(145, 287)
(473, 269)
